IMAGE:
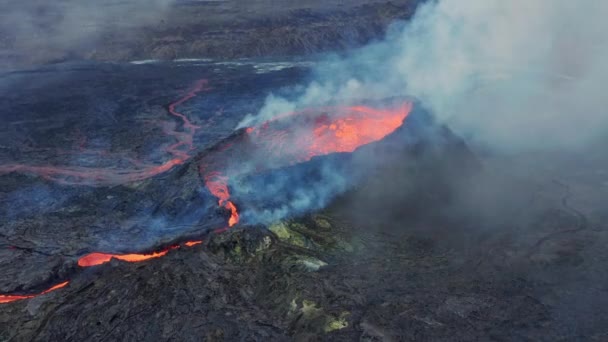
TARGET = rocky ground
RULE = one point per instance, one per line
(190, 29)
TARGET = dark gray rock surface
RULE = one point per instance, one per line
(40, 33)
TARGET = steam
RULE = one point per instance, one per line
(55, 28)
(283, 194)
(508, 75)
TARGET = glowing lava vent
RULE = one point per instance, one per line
(295, 138)
(300, 136)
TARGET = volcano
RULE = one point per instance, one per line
(145, 194)
(289, 139)
(273, 147)
(153, 216)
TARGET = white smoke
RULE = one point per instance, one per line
(512, 75)
(54, 28)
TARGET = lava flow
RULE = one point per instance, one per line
(95, 259)
(77, 175)
(217, 184)
(13, 298)
(291, 139)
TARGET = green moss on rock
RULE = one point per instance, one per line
(286, 233)
(314, 318)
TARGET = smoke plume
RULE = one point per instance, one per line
(508, 75)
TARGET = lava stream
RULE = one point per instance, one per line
(78, 175)
(95, 259)
(13, 298)
(217, 184)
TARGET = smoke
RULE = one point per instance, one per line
(40, 29)
(507, 75)
(291, 191)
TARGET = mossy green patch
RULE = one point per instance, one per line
(337, 323)
(321, 222)
(288, 235)
(311, 313)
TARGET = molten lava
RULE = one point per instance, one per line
(13, 298)
(295, 138)
(95, 259)
(218, 186)
(303, 135)
(192, 243)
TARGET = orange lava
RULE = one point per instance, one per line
(300, 136)
(13, 298)
(217, 184)
(95, 259)
(234, 214)
(295, 138)
(192, 243)
(357, 127)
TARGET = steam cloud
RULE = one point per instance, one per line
(54, 28)
(508, 75)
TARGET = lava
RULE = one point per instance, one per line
(300, 136)
(295, 138)
(192, 243)
(289, 139)
(217, 184)
(13, 298)
(78, 175)
(95, 259)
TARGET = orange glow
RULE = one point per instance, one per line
(13, 298)
(359, 126)
(192, 243)
(217, 184)
(297, 137)
(300, 136)
(95, 259)
(234, 214)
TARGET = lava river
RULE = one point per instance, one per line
(179, 152)
(287, 140)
